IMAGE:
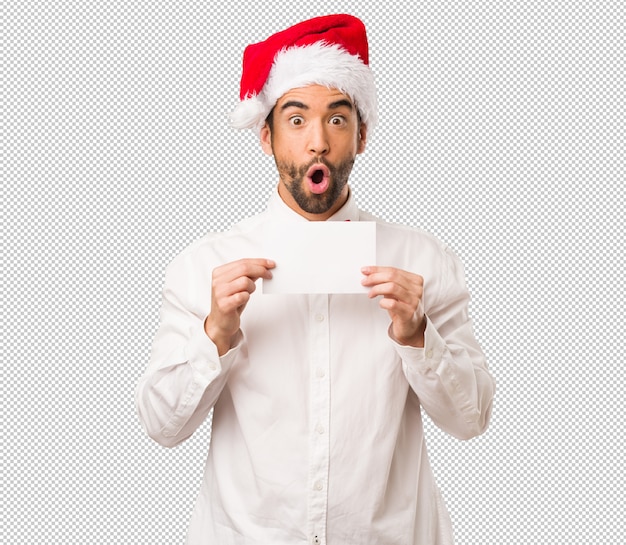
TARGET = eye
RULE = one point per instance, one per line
(296, 120)
(338, 120)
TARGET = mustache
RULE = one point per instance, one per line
(302, 170)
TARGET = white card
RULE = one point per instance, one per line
(319, 256)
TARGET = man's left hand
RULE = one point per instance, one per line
(402, 293)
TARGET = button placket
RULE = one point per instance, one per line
(319, 446)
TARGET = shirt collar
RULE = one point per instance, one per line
(278, 209)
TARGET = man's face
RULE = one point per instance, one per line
(315, 137)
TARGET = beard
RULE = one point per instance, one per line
(293, 177)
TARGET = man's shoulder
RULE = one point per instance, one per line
(408, 234)
(220, 247)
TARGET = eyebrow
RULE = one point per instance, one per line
(303, 106)
(293, 104)
(339, 104)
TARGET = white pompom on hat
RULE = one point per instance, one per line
(331, 50)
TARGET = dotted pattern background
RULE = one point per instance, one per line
(502, 132)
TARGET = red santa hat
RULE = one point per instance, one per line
(330, 50)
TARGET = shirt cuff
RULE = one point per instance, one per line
(425, 359)
(203, 357)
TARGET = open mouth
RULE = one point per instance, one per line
(318, 178)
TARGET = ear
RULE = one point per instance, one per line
(362, 138)
(266, 140)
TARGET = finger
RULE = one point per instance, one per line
(410, 282)
(229, 304)
(252, 268)
(246, 262)
(240, 284)
(401, 309)
(402, 314)
(398, 293)
(378, 278)
(373, 269)
(379, 275)
(269, 263)
(389, 289)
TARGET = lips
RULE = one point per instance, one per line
(318, 178)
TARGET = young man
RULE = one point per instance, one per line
(317, 434)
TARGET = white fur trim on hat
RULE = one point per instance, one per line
(315, 64)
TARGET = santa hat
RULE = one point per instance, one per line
(330, 50)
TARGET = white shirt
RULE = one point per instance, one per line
(317, 434)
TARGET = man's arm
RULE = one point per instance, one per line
(192, 353)
(441, 358)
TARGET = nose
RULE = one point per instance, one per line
(318, 139)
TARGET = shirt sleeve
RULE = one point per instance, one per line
(450, 374)
(185, 375)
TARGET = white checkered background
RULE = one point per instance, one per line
(502, 132)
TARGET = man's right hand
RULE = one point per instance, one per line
(232, 285)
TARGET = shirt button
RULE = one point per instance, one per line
(319, 373)
(212, 366)
(319, 317)
(320, 429)
(316, 540)
(319, 485)
(429, 354)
